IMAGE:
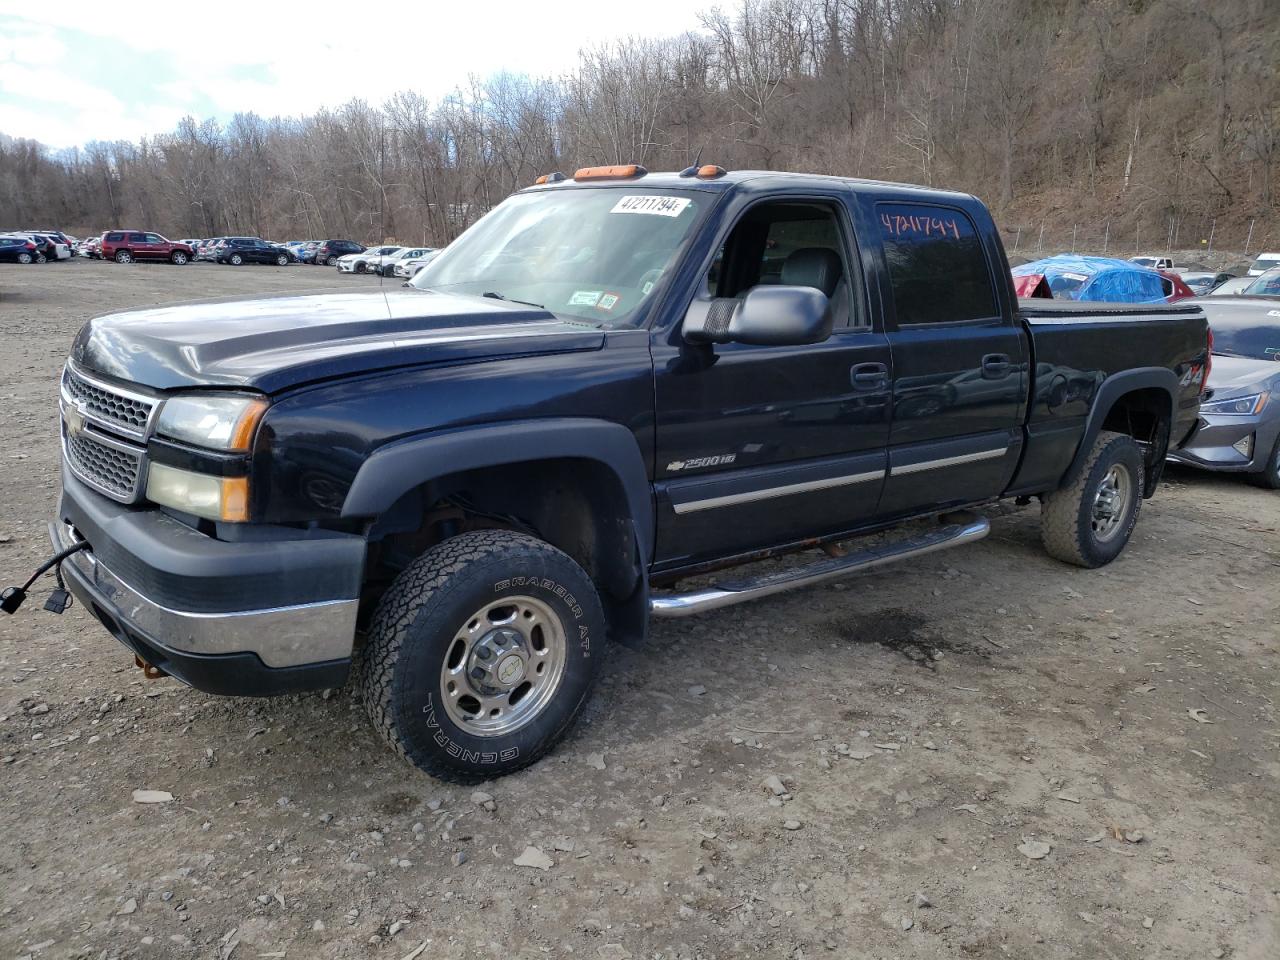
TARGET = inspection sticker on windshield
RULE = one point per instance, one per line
(657, 206)
(608, 301)
(585, 298)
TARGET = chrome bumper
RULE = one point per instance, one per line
(279, 636)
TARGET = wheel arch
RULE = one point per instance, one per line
(1140, 404)
(581, 484)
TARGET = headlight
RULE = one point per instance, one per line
(1237, 406)
(217, 498)
(219, 421)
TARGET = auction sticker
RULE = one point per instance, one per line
(655, 206)
(585, 298)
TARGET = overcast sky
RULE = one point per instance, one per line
(71, 72)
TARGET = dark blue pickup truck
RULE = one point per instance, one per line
(613, 381)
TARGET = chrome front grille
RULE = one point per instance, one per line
(109, 469)
(104, 434)
(130, 412)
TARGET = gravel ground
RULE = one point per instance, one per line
(981, 754)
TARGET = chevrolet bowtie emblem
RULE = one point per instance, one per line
(75, 419)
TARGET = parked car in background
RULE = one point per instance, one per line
(366, 261)
(1240, 416)
(14, 249)
(330, 250)
(305, 251)
(56, 249)
(408, 268)
(57, 236)
(1265, 262)
(241, 250)
(208, 249)
(1231, 288)
(1155, 263)
(46, 248)
(1094, 279)
(1202, 282)
(89, 247)
(126, 246)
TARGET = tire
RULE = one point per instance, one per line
(1269, 477)
(24, 258)
(282, 260)
(41, 258)
(235, 260)
(362, 267)
(322, 261)
(456, 607)
(123, 256)
(1088, 523)
(178, 258)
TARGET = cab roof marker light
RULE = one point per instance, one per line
(549, 178)
(710, 171)
(623, 171)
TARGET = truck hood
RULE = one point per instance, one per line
(277, 343)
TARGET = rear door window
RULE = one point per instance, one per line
(937, 268)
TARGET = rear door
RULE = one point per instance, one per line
(759, 446)
(959, 360)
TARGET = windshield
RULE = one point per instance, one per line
(590, 254)
(1254, 341)
(1267, 285)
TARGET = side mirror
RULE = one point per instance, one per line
(771, 316)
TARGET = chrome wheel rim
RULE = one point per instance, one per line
(1111, 503)
(503, 667)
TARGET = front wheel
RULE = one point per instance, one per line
(177, 258)
(322, 261)
(482, 654)
(1269, 478)
(1088, 523)
(282, 260)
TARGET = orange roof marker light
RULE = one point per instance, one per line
(708, 171)
(549, 178)
(623, 171)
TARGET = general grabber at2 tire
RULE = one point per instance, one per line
(482, 653)
(1089, 522)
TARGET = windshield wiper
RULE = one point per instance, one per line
(497, 296)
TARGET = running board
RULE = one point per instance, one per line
(727, 594)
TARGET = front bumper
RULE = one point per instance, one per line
(1212, 447)
(345, 267)
(273, 613)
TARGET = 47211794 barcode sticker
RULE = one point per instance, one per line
(655, 206)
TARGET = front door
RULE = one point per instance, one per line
(959, 360)
(759, 446)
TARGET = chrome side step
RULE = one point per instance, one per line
(727, 594)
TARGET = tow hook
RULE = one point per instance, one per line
(12, 597)
(150, 671)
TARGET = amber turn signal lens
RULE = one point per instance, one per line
(242, 434)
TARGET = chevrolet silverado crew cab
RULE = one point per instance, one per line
(467, 485)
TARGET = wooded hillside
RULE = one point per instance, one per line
(1155, 116)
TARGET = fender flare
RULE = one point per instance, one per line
(396, 468)
(1111, 390)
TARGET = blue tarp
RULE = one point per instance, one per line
(1097, 279)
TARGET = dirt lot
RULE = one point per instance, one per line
(926, 720)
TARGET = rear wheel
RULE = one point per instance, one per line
(235, 260)
(124, 256)
(322, 261)
(1088, 523)
(24, 258)
(482, 654)
(1269, 478)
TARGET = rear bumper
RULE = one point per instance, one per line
(1212, 446)
(251, 618)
